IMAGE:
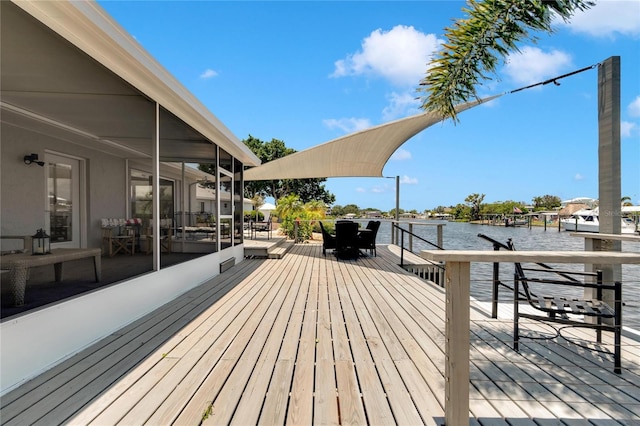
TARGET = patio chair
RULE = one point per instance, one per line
(567, 311)
(265, 226)
(347, 240)
(118, 237)
(166, 236)
(367, 237)
(328, 240)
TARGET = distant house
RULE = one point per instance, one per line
(95, 131)
(267, 209)
(373, 214)
(408, 215)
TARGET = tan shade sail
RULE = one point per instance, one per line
(360, 154)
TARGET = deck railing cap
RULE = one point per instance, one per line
(588, 257)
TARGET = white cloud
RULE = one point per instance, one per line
(578, 176)
(532, 65)
(378, 189)
(408, 180)
(209, 73)
(399, 55)
(634, 107)
(347, 125)
(400, 105)
(401, 154)
(360, 189)
(627, 128)
(608, 18)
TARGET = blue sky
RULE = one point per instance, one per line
(309, 72)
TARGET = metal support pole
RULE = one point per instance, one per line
(397, 202)
(496, 280)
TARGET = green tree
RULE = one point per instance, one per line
(626, 201)
(503, 207)
(476, 43)
(306, 189)
(297, 219)
(475, 202)
(351, 209)
(337, 210)
(309, 190)
(546, 202)
(288, 206)
(461, 212)
(392, 212)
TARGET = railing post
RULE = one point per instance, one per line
(393, 233)
(496, 289)
(402, 249)
(411, 237)
(456, 403)
(439, 237)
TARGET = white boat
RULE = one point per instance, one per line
(586, 220)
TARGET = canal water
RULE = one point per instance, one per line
(464, 236)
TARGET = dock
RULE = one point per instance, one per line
(309, 339)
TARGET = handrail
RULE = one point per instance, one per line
(402, 232)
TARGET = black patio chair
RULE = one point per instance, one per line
(264, 226)
(347, 240)
(328, 240)
(367, 237)
(566, 311)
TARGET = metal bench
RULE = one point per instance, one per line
(18, 266)
(570, 312)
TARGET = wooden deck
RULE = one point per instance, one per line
(308, 339)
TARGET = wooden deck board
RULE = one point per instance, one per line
(311, 339)
(76, 385)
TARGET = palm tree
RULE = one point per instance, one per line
(476, 43)
(316, 209)
(289, 205)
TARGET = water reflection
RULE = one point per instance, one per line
(464, 236)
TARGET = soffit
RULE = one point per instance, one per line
(105, 102)
(359, 154)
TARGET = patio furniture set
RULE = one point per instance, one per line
(126, 236)
(349, 239)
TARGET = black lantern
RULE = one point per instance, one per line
(41, 243)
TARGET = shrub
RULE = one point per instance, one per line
(250, 215)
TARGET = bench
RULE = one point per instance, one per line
(18, 266)
(567, 311)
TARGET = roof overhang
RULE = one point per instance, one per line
(360, 154)
(71, 72)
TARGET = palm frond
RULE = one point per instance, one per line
(476, 44)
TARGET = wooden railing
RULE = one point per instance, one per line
(457, 331)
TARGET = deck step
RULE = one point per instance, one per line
(278, 252)
(274, 249)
